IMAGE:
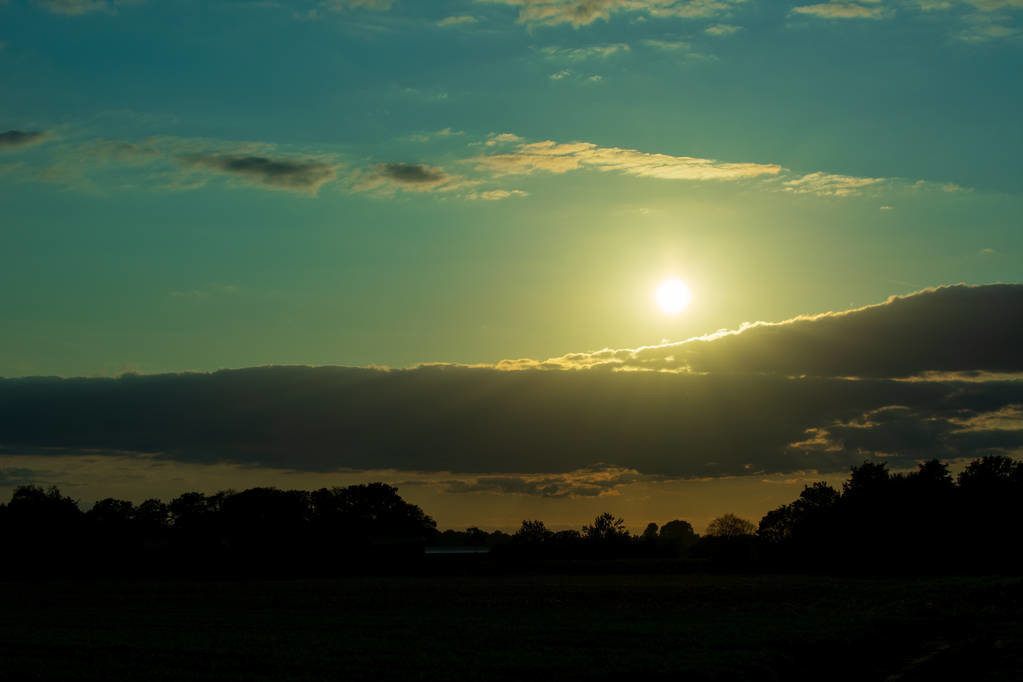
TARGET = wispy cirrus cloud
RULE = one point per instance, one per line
(722, 29)
(829, 184)
(864, 9)
(75, 7)
(583, 12)
(984, 27)
(588, 52)
(980, 20)
(593, 481)
(460, 20)
(496, 194)
(553, 157)
(96, 165)
(174, 163)
(668, 45)
(342, 5)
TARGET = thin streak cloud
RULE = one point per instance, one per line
(553, 157)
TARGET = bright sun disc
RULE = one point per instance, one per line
(673, 296)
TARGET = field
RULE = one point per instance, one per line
(513, 627)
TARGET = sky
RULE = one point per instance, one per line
(420, 242)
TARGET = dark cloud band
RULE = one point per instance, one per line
(762, 402)
(948, 329)
(488, 421)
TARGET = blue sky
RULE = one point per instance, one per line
(189, 186)
(860, 149)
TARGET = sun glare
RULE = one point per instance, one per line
(673, 296)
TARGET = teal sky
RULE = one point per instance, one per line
(367, 182)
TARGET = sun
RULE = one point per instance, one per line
(673, 296)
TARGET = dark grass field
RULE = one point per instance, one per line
(515, 627)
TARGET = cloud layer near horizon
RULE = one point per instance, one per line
(947, 329)
(745, 413)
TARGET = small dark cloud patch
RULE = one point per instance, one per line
(297, 175)
(17, 139)
(412, 174)
(408, 177)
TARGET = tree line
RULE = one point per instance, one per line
(260, 530)
(879, 521)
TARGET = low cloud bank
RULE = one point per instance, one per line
(947, 329)
(772, 398)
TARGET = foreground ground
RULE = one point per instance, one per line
(512, 627)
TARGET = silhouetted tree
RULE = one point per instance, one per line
(865, 481)
(152, 515)
(43, 531)
(475, 537)
(532, 533)
(606, 528)
(678, 531)
(676, 537)
(992, 475)
(730, 525)
(729, 544)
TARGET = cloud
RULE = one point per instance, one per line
(295, 175)
(12, 476)
(342, 5)
(176, 163)
(457, 21)
(497, 194)
(866, 9)
(554, 157)
(409, 177)
(583, 12)
(829, 184)
(995, 5)
(487, 423)
(75, 7)
(669, 45)
(914, 433)
(770, 398)
(576, 54)
(947, 329)
(20, 139)
(983, 28)
(722, 29)
(590, 482)
(436, 135)
(412, 174)
(501, 138)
